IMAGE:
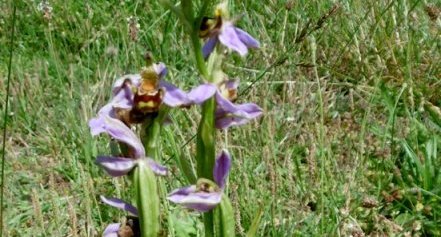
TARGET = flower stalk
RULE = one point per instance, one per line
(151, 133)
(205, 140)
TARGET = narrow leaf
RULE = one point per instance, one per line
(227, 217)
(147, 200)
(255, 224)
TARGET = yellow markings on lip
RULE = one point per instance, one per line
(148, 104)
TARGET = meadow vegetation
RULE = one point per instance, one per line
(347, 146)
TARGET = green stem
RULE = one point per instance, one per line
(151, 133)
(147, 199)
(205, 144)
(199, 57)
(205, 141)
(151, 137)
(205, 156)
(209, 224)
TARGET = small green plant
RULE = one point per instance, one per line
(419, 181)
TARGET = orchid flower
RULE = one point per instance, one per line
(124, 95)
(118, 166)
(112, 230)
(135, 95)
(205, 195)
(229, 114)
(223, 31)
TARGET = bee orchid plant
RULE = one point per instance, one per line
(144, 100)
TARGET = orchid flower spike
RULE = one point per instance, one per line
(118, 166)
(205, 194)
(222, 30)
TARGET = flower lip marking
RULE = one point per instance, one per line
(148, 97)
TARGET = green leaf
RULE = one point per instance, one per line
(184, 225)
(255, 224)
(226, 217)
(147, 200)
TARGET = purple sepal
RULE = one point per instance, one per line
(119, 166)
(190, 198)
(247, 39)
(222, 168)
(175, 97)
(119, 131)
(232, 84)
(120, 204)
(229, 114)
(116, 166)
(203, 201)
(209, 46)
(95, 125)
(157, 168)
(123, 99)
(120, 83)
(201, 93)
(108, 110)
(160, 69)
(229, 38)
(232, 37)
(112, 230)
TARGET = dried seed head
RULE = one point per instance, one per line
(134, 27)
(433, 12)
(45, 8)
(369, 202)
(289, 5)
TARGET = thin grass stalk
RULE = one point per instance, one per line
(5, 114)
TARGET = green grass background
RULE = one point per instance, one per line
(348, 144)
